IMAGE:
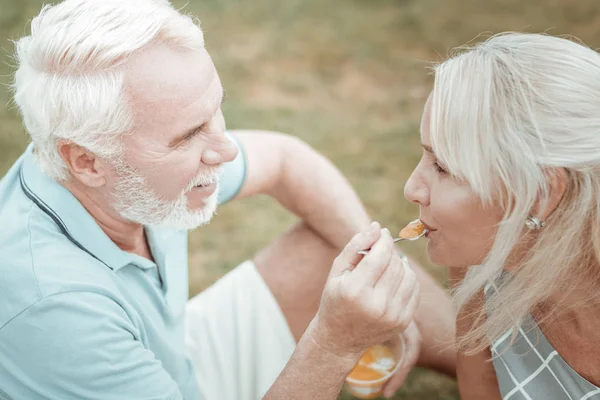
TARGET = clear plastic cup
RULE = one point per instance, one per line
(371, 389)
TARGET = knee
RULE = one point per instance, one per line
(299, 246)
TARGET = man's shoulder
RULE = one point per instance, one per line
(36, 259)
(17, 286)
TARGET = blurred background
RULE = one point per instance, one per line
(350, 77)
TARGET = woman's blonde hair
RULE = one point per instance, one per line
(505, 114)
(69, 81)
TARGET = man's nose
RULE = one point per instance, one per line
(219, 153)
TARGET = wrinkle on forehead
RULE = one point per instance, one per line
(170, 87)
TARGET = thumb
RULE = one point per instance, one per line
(349, 257)
(411, 358)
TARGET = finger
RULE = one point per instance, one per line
(412, 304)
(396, 382)
(411, 357)
(391, 278)
(349, 257)
(388, 285)
(405, 302)
(372, 266)
(406, 289)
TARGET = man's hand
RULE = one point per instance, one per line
(412, 338)
(366, 300)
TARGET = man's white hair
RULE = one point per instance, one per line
(69, 84)
(505, 113)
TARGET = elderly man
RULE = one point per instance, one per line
(129, 151)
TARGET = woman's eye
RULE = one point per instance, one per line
(439, 169)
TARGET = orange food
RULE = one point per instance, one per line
(375, 363)
(413, 229)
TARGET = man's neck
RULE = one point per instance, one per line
(128, 236)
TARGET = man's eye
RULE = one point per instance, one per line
(195, 133)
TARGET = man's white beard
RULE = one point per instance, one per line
(136, 201)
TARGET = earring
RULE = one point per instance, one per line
(534, 223)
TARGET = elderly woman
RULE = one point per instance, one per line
(509, 188)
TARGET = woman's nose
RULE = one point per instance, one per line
(416, 190)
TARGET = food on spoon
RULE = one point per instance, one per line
(412, 230)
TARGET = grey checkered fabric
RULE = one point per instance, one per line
(530, 368)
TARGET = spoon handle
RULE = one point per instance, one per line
(396, 240)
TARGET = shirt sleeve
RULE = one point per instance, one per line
(79, 345)
(234, 174)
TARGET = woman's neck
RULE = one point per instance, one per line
(570, 320)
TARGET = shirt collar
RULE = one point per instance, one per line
(69, 214)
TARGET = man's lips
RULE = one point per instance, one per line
(205, 189)
(204, 185)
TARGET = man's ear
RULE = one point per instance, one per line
(557, 186)
(83, 165)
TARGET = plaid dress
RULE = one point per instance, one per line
(530, 368)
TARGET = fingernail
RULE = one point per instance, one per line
(386, 231)
(374, 227)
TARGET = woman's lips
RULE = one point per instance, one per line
(428, 227)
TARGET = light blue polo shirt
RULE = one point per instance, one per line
(79, 317)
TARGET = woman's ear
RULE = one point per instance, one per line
(557, 186)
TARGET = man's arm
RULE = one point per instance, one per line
(311, 187)
(302, 377)
(366, 301)
(304, 182)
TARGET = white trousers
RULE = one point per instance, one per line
(237, 337)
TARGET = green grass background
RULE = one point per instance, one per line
(347, 76)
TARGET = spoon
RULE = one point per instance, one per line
(364, 252)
